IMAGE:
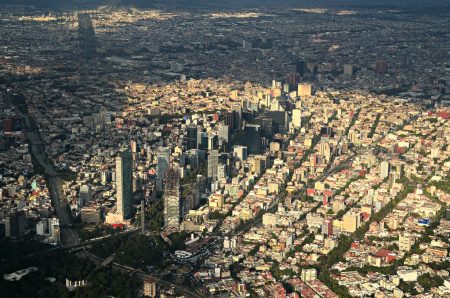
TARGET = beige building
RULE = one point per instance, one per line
(351, 222)
(309, 274)
(405, 242)
(150, 287)
(304, 89)
(297, 118)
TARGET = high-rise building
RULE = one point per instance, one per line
(85, 194)
(309, 274)
(381, 67)
(228, 120)
(246, 44)
(163, 160)
(133, 145)
(212, 142)
(213, 163)
(327, 227)
(348, 70)
(237, 116)
(191, 141)
(201, 184)
(301, 68)
(258, 164)
(297, 118)
(172, 199)
(384, 169)
(223, 133)
(304, 89)
(15, 225)
(240, 152)
(41, 228)
(405, 242)
(90, 215)
(202, 140)
(54, 230)
(252, 138)
(266, 124)
(86, 34)
(221, 171)
(293, 79)
(124, 184)
(351, 222)
(279, 119)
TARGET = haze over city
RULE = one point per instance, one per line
(225, 148)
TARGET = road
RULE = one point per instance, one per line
(69, 236)
(143, 276)
(257, 219)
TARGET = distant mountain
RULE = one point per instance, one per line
(79, 3)
(230, 4)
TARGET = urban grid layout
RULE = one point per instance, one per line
(211, 148)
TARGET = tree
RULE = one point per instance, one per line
(178, 239)
(428, 282)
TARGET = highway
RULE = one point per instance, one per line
(139, 273)
(69, 237)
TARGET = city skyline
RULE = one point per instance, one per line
(225, 149)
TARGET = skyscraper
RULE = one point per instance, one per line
(172, 202)
(381, 67)
(228, 120)
(279, 119)
(15, 225)
(237, 116)
(163, 161)
(202, 140)
(85, 194)
(293, 78)
(213, 163)
(124, 182)
(252, 138)
(191, 141)
(223, 133)
(212, 142)
(86, 34)
(301, 68)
